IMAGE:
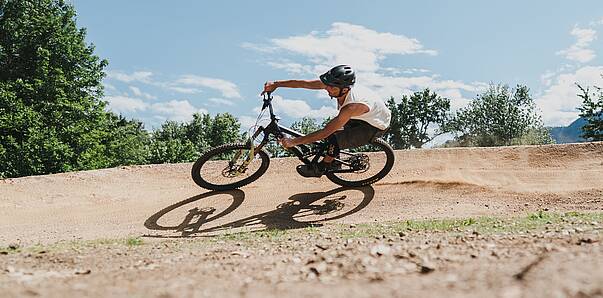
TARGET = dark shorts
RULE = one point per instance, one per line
(356, 133)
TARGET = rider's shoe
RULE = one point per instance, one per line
(317, 170)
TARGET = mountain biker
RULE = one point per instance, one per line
(362, 118)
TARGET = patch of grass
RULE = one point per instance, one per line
(73, 245)
(540, 215)
(485, 225)
(10, 249)
(269, 235)
(134, 241)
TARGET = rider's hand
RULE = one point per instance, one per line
(269, 87)
(287, 142)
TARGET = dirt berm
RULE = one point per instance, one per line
(163, 201)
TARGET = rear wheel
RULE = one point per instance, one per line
(229, 167)
(366, 165)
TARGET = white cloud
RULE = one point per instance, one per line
(560, 101)
(292, 67)
(138, 76)
(346, 43)
(185, 90)
(247, 122)
(109, 87)
(177, 110)
(124, 104)
(365, 49)
(596, 23)
(299, 108)
(380, 86)
(139, 93)
(259, 48)
(228, 89)
(579, 51)
(221, 101)
(186, 84)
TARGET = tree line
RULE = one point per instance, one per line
(53, 118)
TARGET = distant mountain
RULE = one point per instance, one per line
(569, 134)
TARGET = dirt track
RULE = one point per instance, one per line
(163, 205)
(438, 183)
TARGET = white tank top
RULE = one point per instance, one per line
(378, 115)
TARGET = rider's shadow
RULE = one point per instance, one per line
(302, 210)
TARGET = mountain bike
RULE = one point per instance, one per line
(234, 165)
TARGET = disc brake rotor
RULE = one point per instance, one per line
(360, 163)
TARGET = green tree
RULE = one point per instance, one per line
(170, 144)
(499, 117)
(592, 111)
(225, 128)
(178, 142)
(127, 142)
(52, 118)
(413, 118)
(306, 125)
(197, 131)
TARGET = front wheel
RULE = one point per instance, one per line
(229, 166)
(367, 165)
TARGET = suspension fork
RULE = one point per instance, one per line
(252, 151)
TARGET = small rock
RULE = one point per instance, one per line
(352, 226)
(586, 240)
(82, 272)
(240, 253)
(321, 247)
(319, 268)
(426, 267)
(380, 250)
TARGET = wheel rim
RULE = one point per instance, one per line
(231, 166)
(364, 163)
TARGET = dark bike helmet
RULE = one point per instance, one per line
(339, 76)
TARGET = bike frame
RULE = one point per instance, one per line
(303, 152)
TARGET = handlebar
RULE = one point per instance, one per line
(267, 99)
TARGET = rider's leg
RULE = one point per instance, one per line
(332, 149)
(355, 133)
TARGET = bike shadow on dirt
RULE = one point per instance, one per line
(300, 211)
(202, 215)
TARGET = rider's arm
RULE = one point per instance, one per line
(306, 84)
(348, 111)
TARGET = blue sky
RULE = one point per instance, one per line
(169, 59)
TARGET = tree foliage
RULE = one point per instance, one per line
(499, 117)
(592, 111)
(413, 118)
(184, 142)
(52, 118)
